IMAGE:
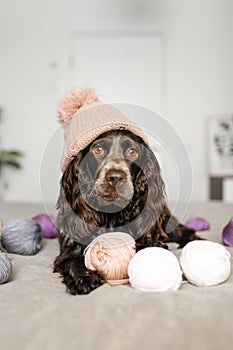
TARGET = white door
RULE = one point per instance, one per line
(122, 67)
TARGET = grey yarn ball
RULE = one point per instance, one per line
(5, 268)
(21, 236)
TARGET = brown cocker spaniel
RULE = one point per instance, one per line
(112, 185)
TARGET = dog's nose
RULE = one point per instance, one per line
(113, 176)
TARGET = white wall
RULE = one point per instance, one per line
(34, 70)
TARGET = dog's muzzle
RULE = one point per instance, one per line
(114, 185)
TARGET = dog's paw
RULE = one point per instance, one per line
(192, 237)
(150, 243)
(83, 283)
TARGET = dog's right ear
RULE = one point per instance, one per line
(69, 180)
(76, 175)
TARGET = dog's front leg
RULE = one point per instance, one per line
(146, 241)
(177, 232)
(70, 265)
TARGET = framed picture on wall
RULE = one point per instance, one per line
(220, 145)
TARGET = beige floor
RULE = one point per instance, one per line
(37, 313)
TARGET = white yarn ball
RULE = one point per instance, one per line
(205, 263)
(155, 269)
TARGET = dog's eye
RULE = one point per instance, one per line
(132, 153)
(99, 150)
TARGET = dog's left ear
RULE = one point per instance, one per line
(149, 180)
(156, 190)
(152, 171)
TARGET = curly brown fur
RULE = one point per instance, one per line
(113, 191)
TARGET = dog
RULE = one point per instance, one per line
(112, 184)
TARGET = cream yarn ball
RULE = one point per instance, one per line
(110, 254)
(155, 269)
(205, 263)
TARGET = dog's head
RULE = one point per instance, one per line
(110, 172)
(115, 157)
(108, 169)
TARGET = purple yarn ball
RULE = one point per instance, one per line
(47, 223)
(227, 233)
(198, 224)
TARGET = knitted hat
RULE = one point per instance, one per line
(84, 118)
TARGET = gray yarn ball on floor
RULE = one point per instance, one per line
(5, 268)
(21, 236)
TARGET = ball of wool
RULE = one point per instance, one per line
(21, 236)
(227, 233)
(198, 224)
(205, 263)
(5, 268)
(110, 254)
(47, 223)
(155, 269)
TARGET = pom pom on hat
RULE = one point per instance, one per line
(227, 233)
(198, 224)
(5, 268)
(205, 263)
(155, 269)
(74, 100)
(21, 236)
(110, 254)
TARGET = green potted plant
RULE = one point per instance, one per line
(9, 158)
